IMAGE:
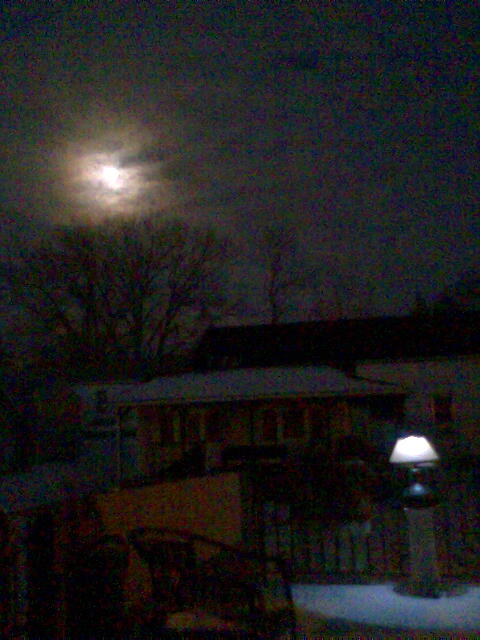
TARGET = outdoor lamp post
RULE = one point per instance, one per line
(416, 452)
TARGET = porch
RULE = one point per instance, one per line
(345, 574)
(342, 574)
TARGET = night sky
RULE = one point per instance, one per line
(356, 123)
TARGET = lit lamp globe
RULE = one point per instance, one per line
(415, 452)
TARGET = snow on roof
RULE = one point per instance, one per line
(249, 384)
(87, 391)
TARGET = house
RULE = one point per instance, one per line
(215, 418)
(296, 386)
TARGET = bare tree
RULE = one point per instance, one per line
(285, 274)
(123, 292)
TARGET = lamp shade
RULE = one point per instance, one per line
(413, 450)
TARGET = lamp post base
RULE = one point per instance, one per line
(424, 578)
(427, 589)
(439, 590)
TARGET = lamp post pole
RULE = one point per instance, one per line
(419, 505)
(424, 573)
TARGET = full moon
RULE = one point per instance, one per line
(110, 177)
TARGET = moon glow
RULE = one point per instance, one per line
(111, 177)
(100, 182)
(121, 178)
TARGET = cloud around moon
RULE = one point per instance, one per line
(108, 171)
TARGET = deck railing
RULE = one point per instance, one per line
(319, 549)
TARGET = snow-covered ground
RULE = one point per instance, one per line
(377, 611)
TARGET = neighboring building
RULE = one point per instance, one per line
(341, 343)
(437, 356)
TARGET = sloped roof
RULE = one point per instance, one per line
(341, 342)
(250, 384)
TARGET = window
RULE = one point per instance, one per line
(101, 401)
(169, 427)
(386, 408)
(128, 418)
(293, 419)
(269, 425)
(163, 423)
(194, 426)
(320, 423)
(442, 409)
(148, 415)
(214, 421)
(282, 423)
